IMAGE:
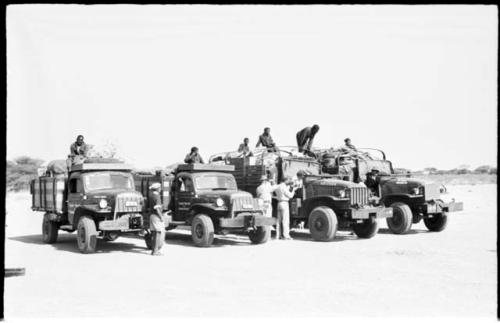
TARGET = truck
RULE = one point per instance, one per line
(324, 204)
(412, 199)
(97, 199)
(206, 199)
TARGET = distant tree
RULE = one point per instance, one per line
(493, 170)
(482, 169)
(21, 171)
(431, 170)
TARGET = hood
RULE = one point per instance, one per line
(333, 182)
(109, 192)
(407, 185)
(227, 196)
(120, 200)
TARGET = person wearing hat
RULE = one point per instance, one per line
(284, 193)
(156, 224)
(371, 181)
(305, 139)
(194, 157)
(265, 192)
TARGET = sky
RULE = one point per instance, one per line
(419, 82)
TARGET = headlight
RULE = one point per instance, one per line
(103, 204)
(219, 202)
(442, 189)
(341, 193)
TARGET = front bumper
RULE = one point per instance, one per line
(440, 207)
(125, 223)
(376, 212)
(246, 220)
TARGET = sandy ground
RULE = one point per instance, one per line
(452, 273)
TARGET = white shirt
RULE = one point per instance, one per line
(265, 191)
(283, 193)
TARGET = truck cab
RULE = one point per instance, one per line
(412, 199)
(206, 198)
(324, 203)
(96, 199)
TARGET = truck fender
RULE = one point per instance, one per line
(326, 200)
(387, 200)
(79, 212)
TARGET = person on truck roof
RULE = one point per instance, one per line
(305, 139)
(266, 140)
(78, 151)
(156, 223)
(194, 157)
(244, 149)
(284, 194)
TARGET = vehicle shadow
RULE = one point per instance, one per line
(306, 236)
(67, 242)
(412, 231)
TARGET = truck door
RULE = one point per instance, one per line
(75, 195)
(184, 189)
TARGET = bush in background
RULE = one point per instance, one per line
(21, 171)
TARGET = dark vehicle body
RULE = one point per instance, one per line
(412, 199)
(323, 203)
(206, 198)
(98, 200)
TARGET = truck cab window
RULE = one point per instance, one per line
(75, 185)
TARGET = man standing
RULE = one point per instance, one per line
(305, 139)
(156, 224)
(265, 192)
(193, 157)
(284, 194)
(244, 149)
(78, 151)
(371, 181)
(266, 140)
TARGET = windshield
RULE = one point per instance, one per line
(107, 180)
(215, 182)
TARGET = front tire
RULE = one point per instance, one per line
(322, 223)
(50, 230)
(259, 235)
(401, 220)
(86, 235)
(202, 231)
(367, 229)
(437, 223)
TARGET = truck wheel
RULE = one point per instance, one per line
(401, 219)
(437, 223)
(259, 235)
(49, 230)
(111, 236)
(202, 231)
(322, 223)
(86, 235)
(367, 229)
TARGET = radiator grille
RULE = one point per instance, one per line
(358, 195)
(244, 203)
(128, 198)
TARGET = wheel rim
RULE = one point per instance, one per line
(318, 224)
(81, 235)
(198, 231)
(397, 219)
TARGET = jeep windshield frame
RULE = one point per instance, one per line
(214, 182)
(95, 181)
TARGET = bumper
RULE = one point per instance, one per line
(432, 208)
(124, 223)
(247, 221)
(376, 212)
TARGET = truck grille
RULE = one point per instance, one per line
(358, 195)
(431, 191)
(244, 204)
(128, 202)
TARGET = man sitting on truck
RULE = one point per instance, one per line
(266, 140)
(305, 139)
(194, 157)
(78, 151)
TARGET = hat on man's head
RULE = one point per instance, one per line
(263, 178)
(374, 170)
(155, 186)
(347, 139)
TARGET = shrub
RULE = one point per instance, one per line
(21, 171)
